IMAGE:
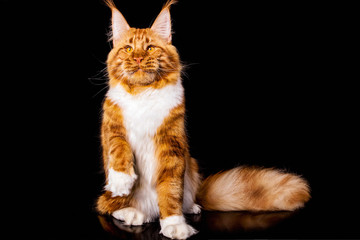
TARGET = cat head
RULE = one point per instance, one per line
(142, 57)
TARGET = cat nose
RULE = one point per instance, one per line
(138, 59)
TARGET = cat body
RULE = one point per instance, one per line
(149, 171)
(143, 114)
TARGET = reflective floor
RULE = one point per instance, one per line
(209, 224)
(316, 220)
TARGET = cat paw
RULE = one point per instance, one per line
(178, 231)
(130, 216)
(175, 227)
(119, 183)
(195, 209)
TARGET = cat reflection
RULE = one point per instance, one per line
(215, 222)
(119, 230)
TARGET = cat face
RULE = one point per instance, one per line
(142, 57)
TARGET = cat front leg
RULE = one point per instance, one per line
(120, 174)
(170, 197)
(118, 156)
(172, 152)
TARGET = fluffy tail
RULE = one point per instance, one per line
(254, 189)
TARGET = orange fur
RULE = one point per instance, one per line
(113, 135)
(110, 4)
(172, 153)
(106, 204)
(256, 189)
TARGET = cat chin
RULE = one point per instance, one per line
(141, 78)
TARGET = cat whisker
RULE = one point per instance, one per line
(107, 86)
(101, 81)
(101, 76)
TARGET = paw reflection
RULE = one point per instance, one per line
(119, 229)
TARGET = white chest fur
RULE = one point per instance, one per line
(143, 113)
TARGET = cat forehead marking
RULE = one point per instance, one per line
(139, 34)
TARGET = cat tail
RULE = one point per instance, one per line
(253, 189)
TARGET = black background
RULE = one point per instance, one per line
(266, 84)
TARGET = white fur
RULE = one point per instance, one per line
(119, 183)
(175, 227)
(195, 209)
(143, 114)
(176, 219)
(130, 216)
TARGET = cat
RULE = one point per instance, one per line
(149, 171)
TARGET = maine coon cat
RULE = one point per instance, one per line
(149, 171)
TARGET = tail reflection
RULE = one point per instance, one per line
(242, 221)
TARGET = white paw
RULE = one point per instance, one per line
(130, 216)
(175, 227)
(119, 183)
(178, 231)
(195, 209)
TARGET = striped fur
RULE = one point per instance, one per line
(149, 171)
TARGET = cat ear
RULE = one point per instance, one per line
(118, 23)
(162, 23)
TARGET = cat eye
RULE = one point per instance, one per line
(150, 48)
(129, 49)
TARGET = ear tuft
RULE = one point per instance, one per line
(118, 23)
(110, 3)
(162, 23)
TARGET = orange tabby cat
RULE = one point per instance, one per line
(149, 171)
